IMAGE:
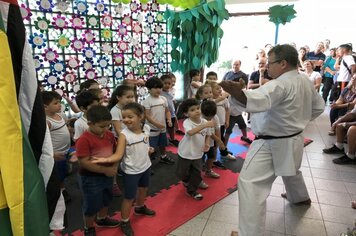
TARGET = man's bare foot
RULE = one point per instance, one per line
(234, 233)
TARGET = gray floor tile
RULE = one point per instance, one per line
(192, 228)
(328, 165)
(335, 228)
(312, 195)
(348, 176)
(343, 215)
(297, 225)
(333, 198)
(271, 233)
(330, 185)
(306, 171)
(231, 199)
(346, 168)
(225, 213)
(325, 174)
(351, 187)
(277, 189)
(309, 182)
(206, 213)
(275, 222)
(275, 204)
(313, 211)
(214, 228)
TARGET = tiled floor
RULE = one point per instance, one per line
(331, 188)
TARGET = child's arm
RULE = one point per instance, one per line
(221, 98)
(117, 126)
(87, 164)
(227, 117)
(207, 143)
(195, 84)
(151, 120)
(168, 117)
(117, 156)
(218, 141)
(199, 128)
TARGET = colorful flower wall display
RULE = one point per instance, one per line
(76, 40)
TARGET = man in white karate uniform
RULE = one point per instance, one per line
(280, 110)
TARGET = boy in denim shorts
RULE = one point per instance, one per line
(96, 179)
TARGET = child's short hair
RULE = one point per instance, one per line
(208, 108)
(186, 104)
(87, 84)
(171, 75)
(137, 108)
(200, 90)
(211, 73)
(86, 98)
(165, 77)
(193, 73)
(49, 96)
(98, 113)
(119, 92)
(154, 82)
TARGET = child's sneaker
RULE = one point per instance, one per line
(144, 211)
(229, 157)
(107, 222)
(220, 165)
(246, 139)
(174, 142)
(116, 192)
(203, 185)
(166, 160)
(126, 228)
(90, 231)
(197, 196)
(212, 174)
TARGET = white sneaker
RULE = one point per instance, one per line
(229, 157)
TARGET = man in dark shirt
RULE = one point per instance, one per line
(317, 57)
(236, 74)
(260, 76)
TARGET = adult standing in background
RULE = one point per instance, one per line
(260, 76)
(317, 56)
(329, 72)
(236, 74)
(280, 110)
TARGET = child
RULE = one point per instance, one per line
(172, 91)
(60, 137)
(133, 151)
(191, 148)
(208, 110)
(211, 76)
(96, 179)
(84, 101)
(194, 82)
(157, 114)
(122, 95)
(167, 85)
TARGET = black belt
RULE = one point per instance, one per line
(276, 137)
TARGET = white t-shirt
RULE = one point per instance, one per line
(191, 147)
(314, 75)
(117, 115)
(80, 126)
(221, 110)
(234, 110)
(60, 135)
(194, 90)
(157, 107)
(136, 159)
(344, 75)
(212, 129)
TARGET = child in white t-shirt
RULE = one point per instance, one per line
(133, 151)
(191, 148)
(194, 82)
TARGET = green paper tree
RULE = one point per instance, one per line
(279, 14)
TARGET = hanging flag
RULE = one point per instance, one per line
(25, 149)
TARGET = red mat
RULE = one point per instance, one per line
(173, 207)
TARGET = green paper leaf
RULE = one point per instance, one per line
(196, 62)
(175, 55)
(174, 43)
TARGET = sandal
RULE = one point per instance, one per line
(331, 132)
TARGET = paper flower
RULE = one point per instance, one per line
(119, 9)
(45, 5)
(134, 7)
(87, 65)
(145, 7)
(93, 21)
(140, 18)
(59, 22)
(77, 44)
(73, 63)
(89, 36)
(118, 59)
(50, 55)
(77, 22)
(100, 6)
(81, 7)
(127, 20)
(106, 20)
(160, 65)
(138, 52)
(38, 63)
(149, 56)
(25, 12)
(136, 27)
(151, 69)
(135, 41)
(141, 70)
(133, 63)
(130, 75)
(69, 77)
(106, 48)
(154, 7)
(89, 53)
(62, 5)
(103, 62)
(63, 41)
(159, 52)
(158, 29)
(161, 40)
(37, 40)
(119, 73)
(149, 18)
(159, 17)
(122, 30)
(42, 24)
(51, 79)
(151, 42)
(123, 46)
(147, 30)
(106, 34)
(58, 67)
(90, 74)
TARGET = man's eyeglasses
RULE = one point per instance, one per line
(272, 62)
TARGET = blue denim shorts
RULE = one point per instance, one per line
(132, 182)
(159, 140)
(97, 193)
